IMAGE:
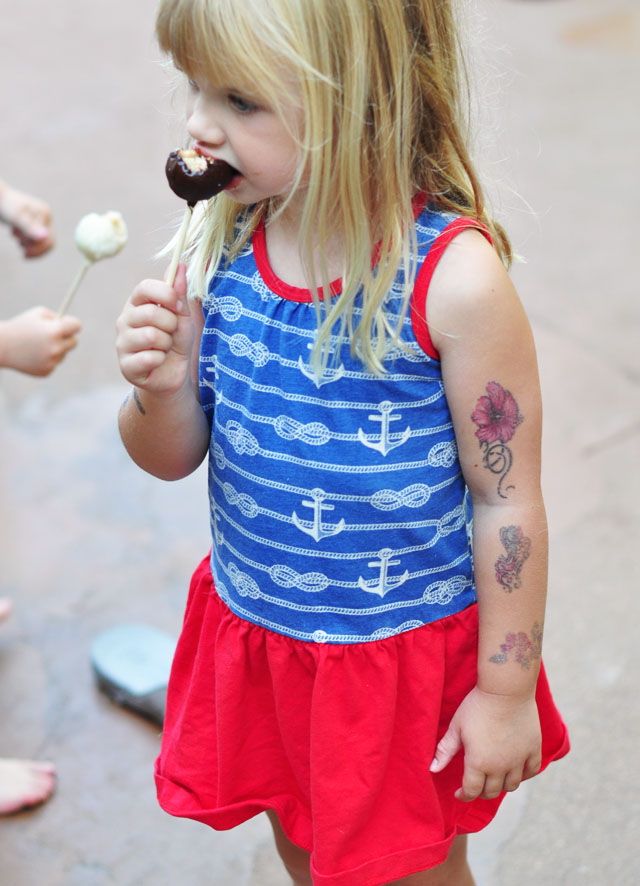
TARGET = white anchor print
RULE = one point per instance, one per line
(384, 584)
(317, 531)
(328, 376)
(384, 445)
(218, 534)
(216, 381)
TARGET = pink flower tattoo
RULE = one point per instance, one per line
(497, 416)
(509, 566)
(520, 648)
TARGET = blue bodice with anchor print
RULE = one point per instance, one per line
(338, 508)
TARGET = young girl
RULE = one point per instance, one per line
(356, 362)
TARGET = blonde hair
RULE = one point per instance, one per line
(383, 93)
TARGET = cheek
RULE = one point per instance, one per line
(290, 156)
(189, 103)
(279, 164)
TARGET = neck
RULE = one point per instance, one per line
(283, 248)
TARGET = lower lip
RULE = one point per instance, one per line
(235, 181)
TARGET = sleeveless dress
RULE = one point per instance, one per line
(331, 633)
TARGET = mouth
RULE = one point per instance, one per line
(211, 158)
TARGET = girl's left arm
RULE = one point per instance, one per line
(491, 381)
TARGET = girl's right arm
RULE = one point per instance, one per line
(162, 424)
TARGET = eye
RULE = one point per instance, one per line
(193, 86)
(240, 104)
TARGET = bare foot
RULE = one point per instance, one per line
(5, 608)
(24, 783)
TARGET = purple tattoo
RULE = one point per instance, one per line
(519, 648)
(497, 416)
(509, 565)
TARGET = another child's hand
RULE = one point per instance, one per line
(29, 218)
(37, 340)
(155, 336)
(501, 738)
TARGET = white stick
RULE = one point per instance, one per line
(179, 247)
(74, 287)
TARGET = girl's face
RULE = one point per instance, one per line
(227, 124)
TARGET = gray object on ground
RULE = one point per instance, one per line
(131, 663)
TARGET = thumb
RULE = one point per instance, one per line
(26, 229)
(448, 747)
(35, 231)
(180, 288)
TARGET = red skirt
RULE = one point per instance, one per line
(337, 739)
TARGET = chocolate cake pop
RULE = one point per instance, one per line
(195, 177)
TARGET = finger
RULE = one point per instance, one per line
(513, 780)
(532, 766)
(448, 747)
(152, 314)
(155, 292)
(137, 368)
(180, 284)
(68, 344)
(147, 338)
(36, 232)
(493, 787)
(473, 782)
(71, 326)
(33, 246)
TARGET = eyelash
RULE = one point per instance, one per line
(239, 103)
(242, 105)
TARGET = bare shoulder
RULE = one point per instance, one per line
(486, 347)
(470, 293)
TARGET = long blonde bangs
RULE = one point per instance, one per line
(382, 88)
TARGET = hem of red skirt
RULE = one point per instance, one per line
(389, 867)
(178, 802)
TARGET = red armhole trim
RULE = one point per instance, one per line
(423, 280)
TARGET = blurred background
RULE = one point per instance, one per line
(88, 541)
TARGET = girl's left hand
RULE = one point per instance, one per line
(501, 738)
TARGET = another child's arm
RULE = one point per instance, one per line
(162, 424)
(36, 340)
(29, 218)
(491, 381)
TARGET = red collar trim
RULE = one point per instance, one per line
(297, 293)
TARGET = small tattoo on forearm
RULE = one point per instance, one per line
(497, 416)
(509, 566)
(124, 402)
(521, 648)
(141, 408)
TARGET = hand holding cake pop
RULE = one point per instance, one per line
(193, 177)
(97, 236)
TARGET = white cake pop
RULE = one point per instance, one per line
(97, 236)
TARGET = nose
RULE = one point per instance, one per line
(203, 124)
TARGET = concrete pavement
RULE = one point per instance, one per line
(89, 541)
